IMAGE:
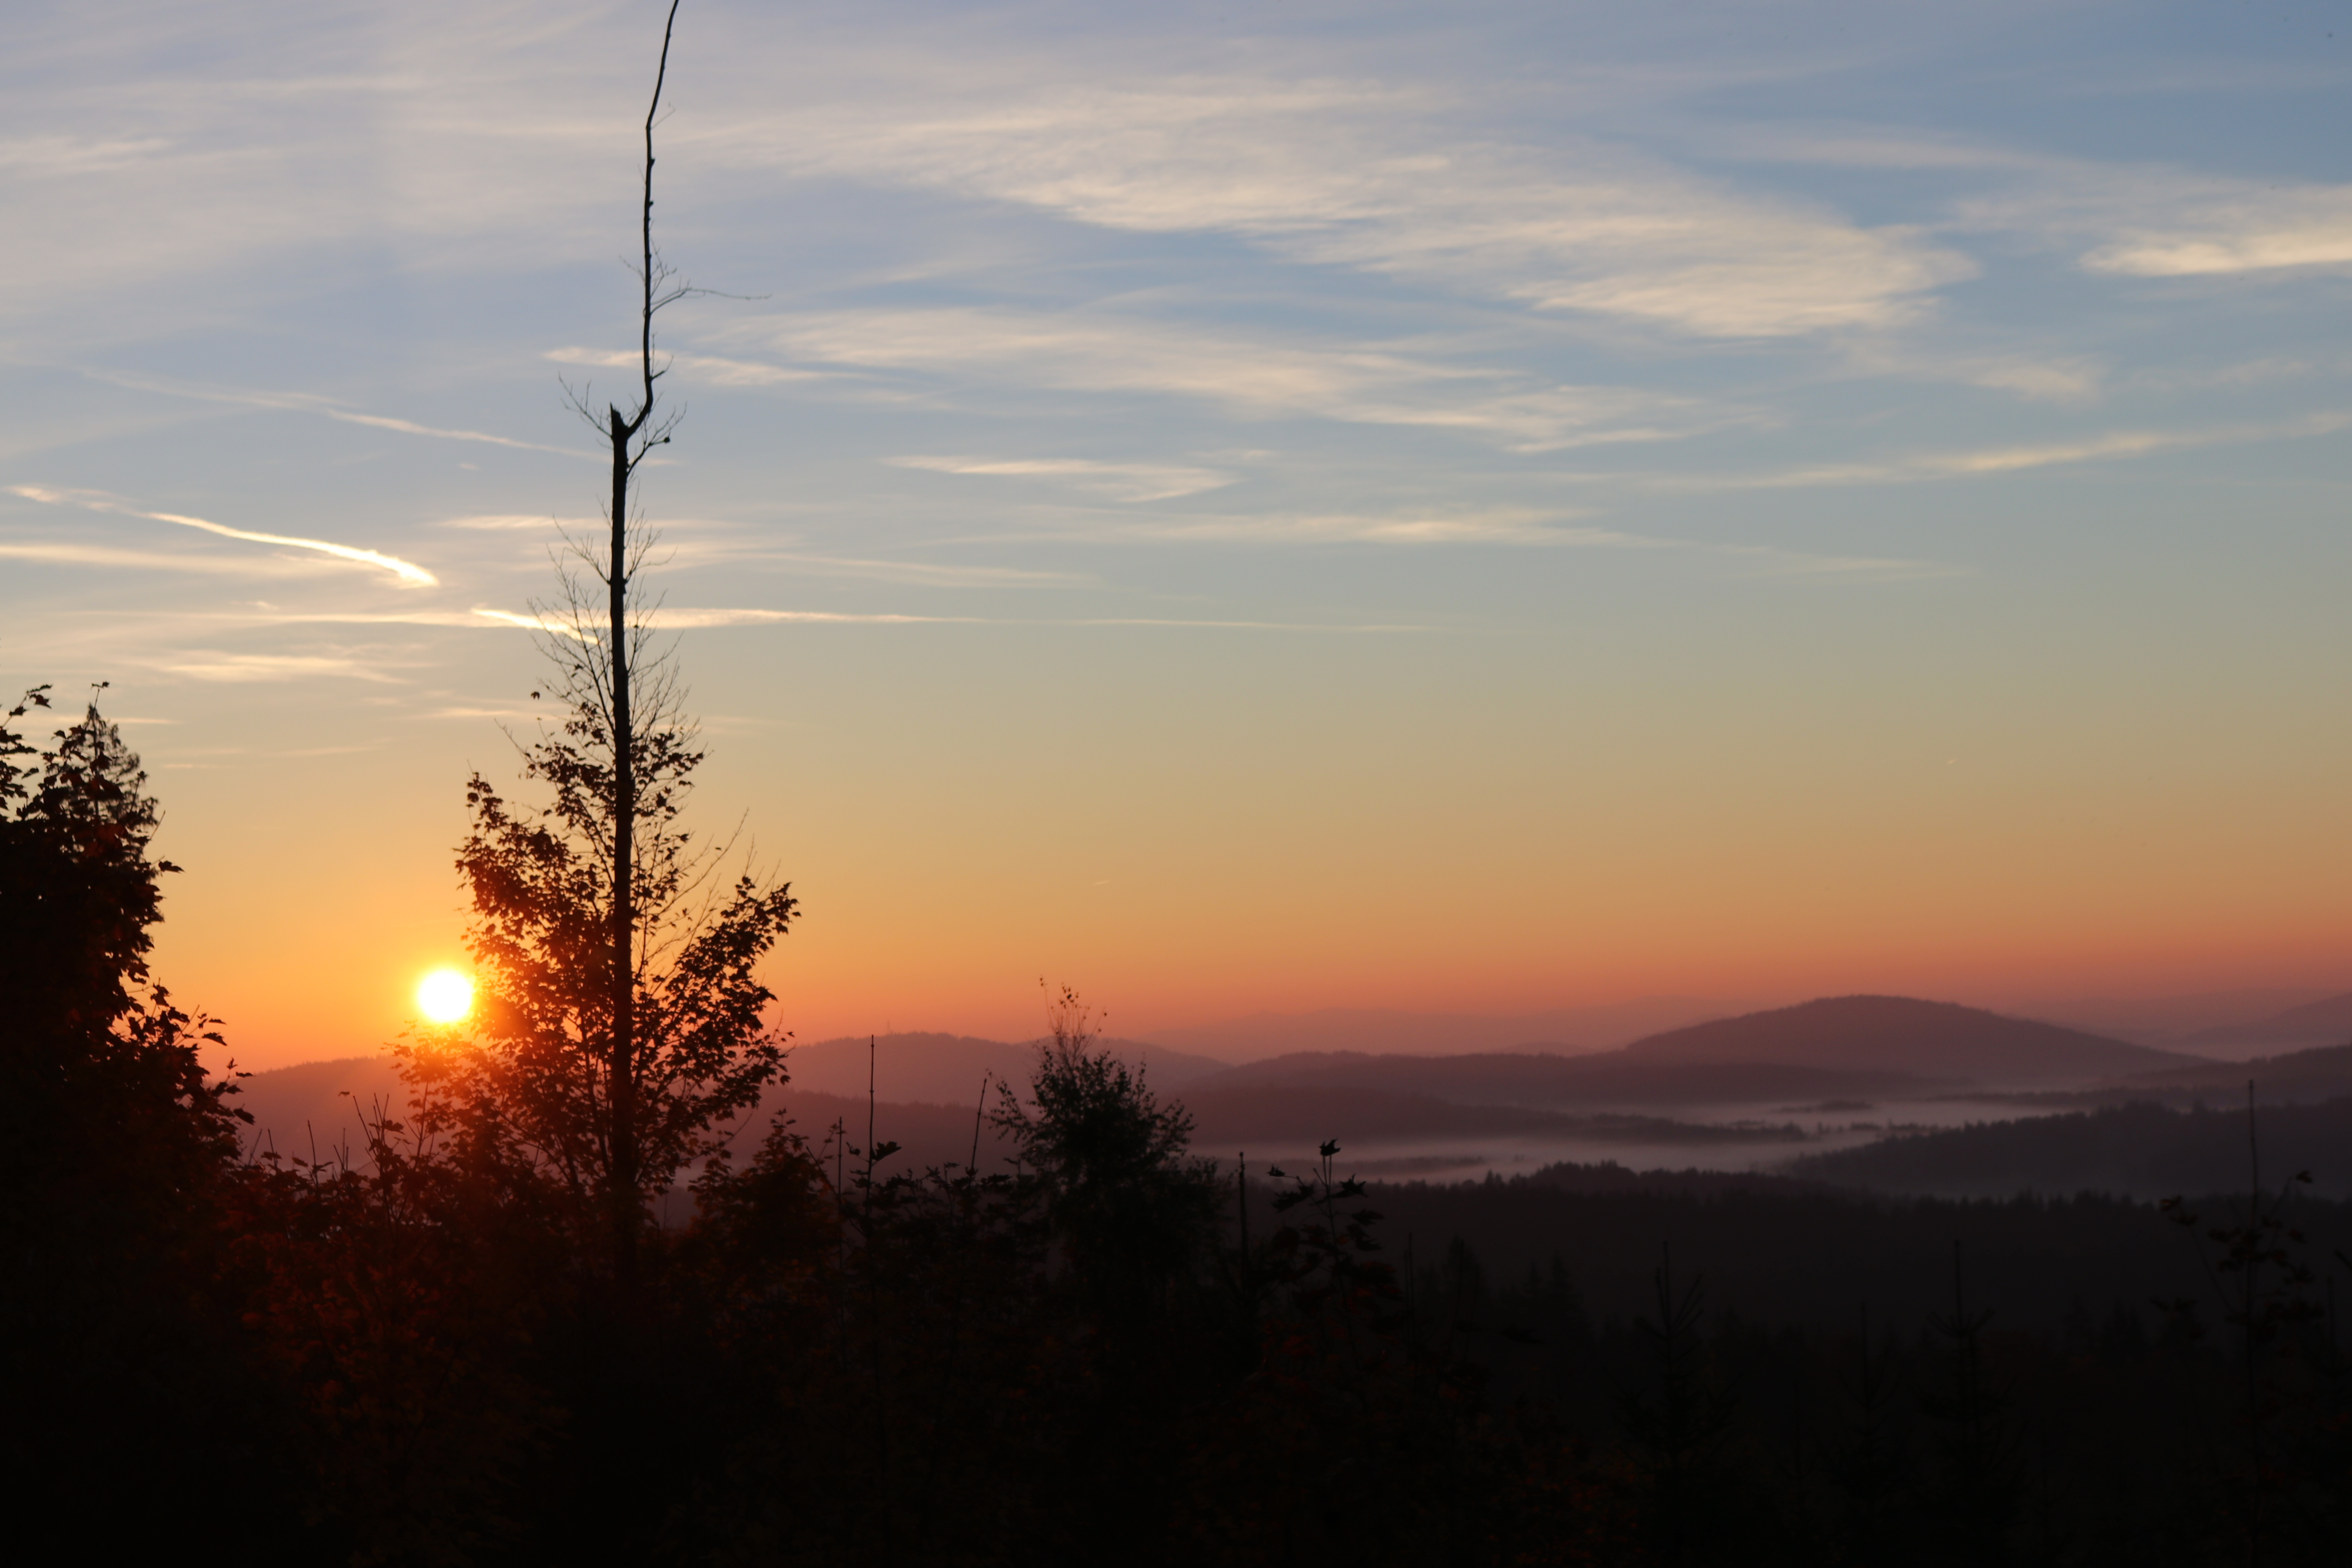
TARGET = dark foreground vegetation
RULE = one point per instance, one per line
(434, 1347)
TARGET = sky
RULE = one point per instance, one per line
(1480, 508)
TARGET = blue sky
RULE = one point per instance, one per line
(1869, 474)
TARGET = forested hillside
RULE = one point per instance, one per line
(2139, 1151)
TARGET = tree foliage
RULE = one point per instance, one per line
(536, 1073)
(1128, 1204)
(81, 892)
(97, 1057)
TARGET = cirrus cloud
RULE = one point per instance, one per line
(1370, 176)
(1256, 376)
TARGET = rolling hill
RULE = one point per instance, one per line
(946, 1070)
(1899, 1034)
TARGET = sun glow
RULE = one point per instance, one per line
(444, 995)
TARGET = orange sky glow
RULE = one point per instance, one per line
(1472, 510)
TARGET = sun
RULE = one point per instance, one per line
(444, 995)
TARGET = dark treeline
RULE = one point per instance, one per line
(1109, 1350)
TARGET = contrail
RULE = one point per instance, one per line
(309, 403)
(94, 500)
(410, 428)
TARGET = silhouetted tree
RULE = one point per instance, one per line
(1680, 1423)
(1132, 1209)
(2265, 1290)
(114, 1143)
(81, 891)
(104, 1092)
(1868, 1459)
(621, 1011)
(1980, 1472)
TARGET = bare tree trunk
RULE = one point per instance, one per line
(624, 1170)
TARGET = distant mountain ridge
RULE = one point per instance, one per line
(1902, 1034)
(1567, 1031)
(2326, 1021)
(2167, 1021)
(315, 1108)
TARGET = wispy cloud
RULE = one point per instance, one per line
(673, 617)
(2239, 375)
(711, 368)
(1530, 529)
(732, 542)
(478, 711)
(407, 571)
(928, 573)
(272, 617)
(677, 619)
(2152, 220)
(2247, 229)
(2070, 382)
(410, 428)
(1770, 561)
(311, 403)
(2137, 219)
(1883, 147)
(1242, 625)
(2110, 446)
(55, 155)
(553, 626)
(246, 667)
(1098, 351)
(1491, 525)
(155, 560)
(205, 392)
(520, 522)
(2064, 380)
(1119, 481)
(1366, 174)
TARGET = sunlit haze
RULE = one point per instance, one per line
(1478, 509)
